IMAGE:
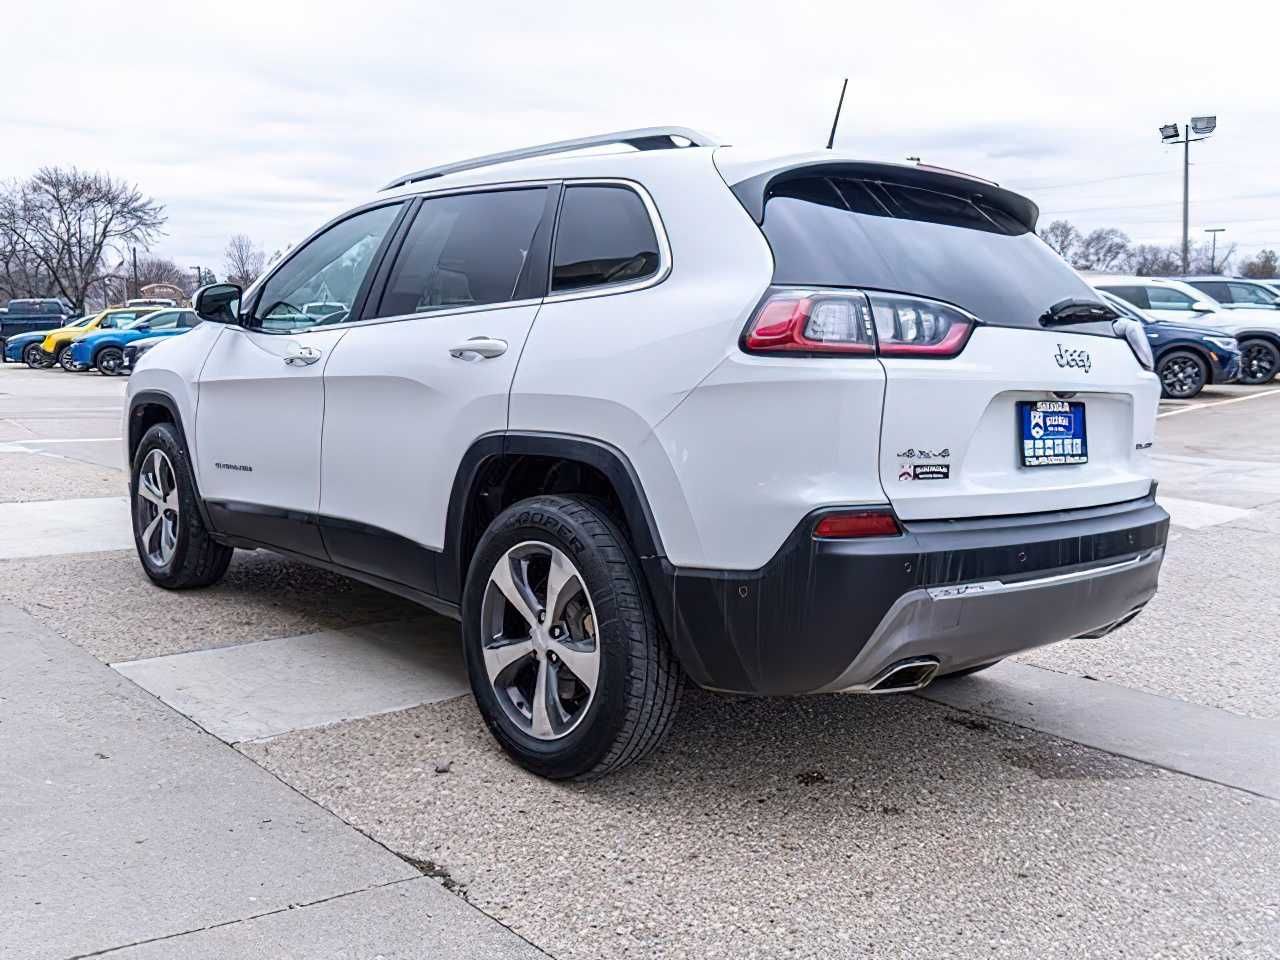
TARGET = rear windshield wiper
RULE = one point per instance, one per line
(1076, 311)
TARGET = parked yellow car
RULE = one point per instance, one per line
(54, 347)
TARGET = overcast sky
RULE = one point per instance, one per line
(266, 118)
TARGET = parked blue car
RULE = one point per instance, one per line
(1187, 357)
(16, 344)
(105, 349)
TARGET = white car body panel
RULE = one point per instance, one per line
(764, 441)
(401, 411)
(612, 367)
(260, 413)
(173, 368)
(965, 408)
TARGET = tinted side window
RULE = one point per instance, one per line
(1214, 288)
(1166, 298)
(188, 318)
(1135, 295)
(162, 320)
(318, 284)
(604, 236)
(464, 251)
(1248, 293)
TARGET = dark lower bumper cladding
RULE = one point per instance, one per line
(830, 614)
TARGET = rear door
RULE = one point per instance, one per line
(1015, 416)
(429, 371)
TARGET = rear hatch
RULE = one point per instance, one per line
(1021, 416)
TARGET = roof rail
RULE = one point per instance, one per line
(646, 138)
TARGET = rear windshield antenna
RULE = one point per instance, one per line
(836, 122)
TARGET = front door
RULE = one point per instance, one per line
(260, 408)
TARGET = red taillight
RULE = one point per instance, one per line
(915, 327)
(816, 322)
(791, 321)
(857, 523)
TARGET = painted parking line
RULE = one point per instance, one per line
(1184, 737)
(270, 687)
(1217, 403)
(41, 528)
(1196, 514)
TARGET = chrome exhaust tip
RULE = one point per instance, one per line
(905, 676)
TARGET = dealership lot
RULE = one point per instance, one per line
(182, 769)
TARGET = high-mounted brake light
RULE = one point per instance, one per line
(856, 524)
(811, 322)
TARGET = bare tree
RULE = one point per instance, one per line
(244, 261)
(1153, 260)
(1205, 259)
(1264, 266)
(1062, 237)
(1104, 249)
(66, 221)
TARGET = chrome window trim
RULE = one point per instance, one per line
(603, 290)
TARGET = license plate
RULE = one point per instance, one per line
(1052, 433)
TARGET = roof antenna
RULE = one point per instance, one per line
(834, 123)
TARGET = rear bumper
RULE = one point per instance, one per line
(827, 615)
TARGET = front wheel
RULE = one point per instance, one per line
(569, 668)
(172, 541)
(35, 358)
(63, 359)
(109, 360)
(1259, 361)
(1182, 374)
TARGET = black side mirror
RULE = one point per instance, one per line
(218, 302)
(143, 326)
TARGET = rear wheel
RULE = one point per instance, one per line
(109, 360)
(172, 541)
(1182, 374)
(568, 666)
(1259, 361)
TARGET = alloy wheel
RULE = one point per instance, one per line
(109, 362)
(1258, 363)
(539, 640)
(158, 510)
(1182, 376)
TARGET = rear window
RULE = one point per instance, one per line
(846, 232)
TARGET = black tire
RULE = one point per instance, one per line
(63, 358)
(1182, 373)
(34, 357)
(639, 683)
(1259, 361)
(197, 561)
(108, 361)
(969, 671)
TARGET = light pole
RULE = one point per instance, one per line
(1213, 250)
(1169, 133)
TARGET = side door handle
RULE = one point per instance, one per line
(302, 356)
(479, 348)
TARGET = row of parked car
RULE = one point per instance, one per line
(109, 341)
(1203, 330)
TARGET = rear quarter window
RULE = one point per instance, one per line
(604, 236)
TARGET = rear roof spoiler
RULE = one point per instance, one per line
(754, 191)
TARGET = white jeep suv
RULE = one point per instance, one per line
(784, 426)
